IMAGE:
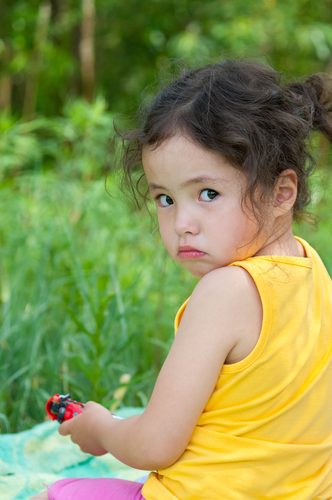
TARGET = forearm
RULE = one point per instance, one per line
(144, 441)
(129, 440)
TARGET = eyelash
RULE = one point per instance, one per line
(159, 197)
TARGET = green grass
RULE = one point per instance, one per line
(88, 294)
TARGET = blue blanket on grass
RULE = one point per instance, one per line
(32, 459)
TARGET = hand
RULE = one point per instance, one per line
(86, 430)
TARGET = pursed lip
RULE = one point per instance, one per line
(188, 252)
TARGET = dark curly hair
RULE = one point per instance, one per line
(241, 110)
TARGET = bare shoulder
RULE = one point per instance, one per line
(232, 284)
(230, 296)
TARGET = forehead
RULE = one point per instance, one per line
(179, 159)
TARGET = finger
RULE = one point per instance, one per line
(64, 428)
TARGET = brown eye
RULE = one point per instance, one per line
(208, 194)
(164, 200)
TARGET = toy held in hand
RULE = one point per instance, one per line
(61, 407)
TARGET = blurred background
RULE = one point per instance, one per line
(87, 294)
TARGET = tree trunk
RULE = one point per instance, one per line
(31, 88)
(87, 49)
(5, 93)
(5, 83)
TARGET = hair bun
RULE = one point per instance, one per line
(319, 88)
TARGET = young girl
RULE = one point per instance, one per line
(242, 407)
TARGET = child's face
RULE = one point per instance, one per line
(203, 223)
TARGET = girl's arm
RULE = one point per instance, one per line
(223, 317)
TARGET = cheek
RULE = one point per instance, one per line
(239, 224)
(232, 218)
(165, 231)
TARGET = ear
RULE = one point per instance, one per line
(285, 192)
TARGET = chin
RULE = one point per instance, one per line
(198, 274)
(200, 270)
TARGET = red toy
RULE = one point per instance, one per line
(61, 407)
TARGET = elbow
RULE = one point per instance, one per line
(161, 456)
(164, 462)
(152, 447)
(151, 461)
(150, 456)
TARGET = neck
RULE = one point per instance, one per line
(282, 244)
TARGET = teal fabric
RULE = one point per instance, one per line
(32, 459)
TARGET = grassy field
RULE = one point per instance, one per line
(88, 295)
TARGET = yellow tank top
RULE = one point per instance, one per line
(266, 431)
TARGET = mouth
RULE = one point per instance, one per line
(187, 252)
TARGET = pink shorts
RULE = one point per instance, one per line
(96, 489)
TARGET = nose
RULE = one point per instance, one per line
(185, 222)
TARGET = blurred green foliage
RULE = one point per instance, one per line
(78, 142)
(87, 295)
(137, 42)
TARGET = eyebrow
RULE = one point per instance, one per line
(189, 182)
